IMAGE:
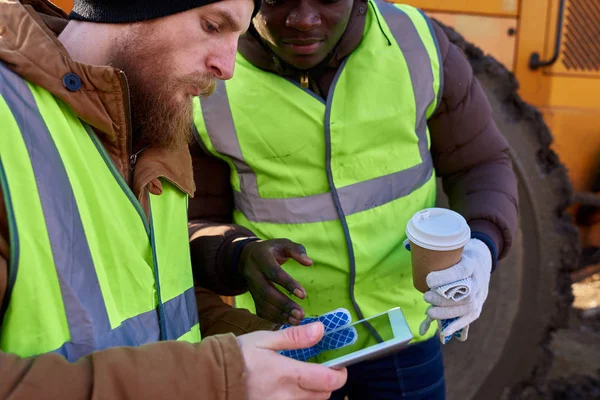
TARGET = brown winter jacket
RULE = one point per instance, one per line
(213, 369)
(469, 153)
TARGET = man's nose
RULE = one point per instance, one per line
(222, 63)
(303, 17)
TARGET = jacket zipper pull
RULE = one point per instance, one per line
(132, 161)
(134, 157)
(304, 80)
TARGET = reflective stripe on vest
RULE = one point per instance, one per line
(354, 198)
(85, 310)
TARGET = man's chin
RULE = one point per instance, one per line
(170, 130)
(175, 140)
(304, 62)
(182, 99)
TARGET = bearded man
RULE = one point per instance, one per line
(97, 297)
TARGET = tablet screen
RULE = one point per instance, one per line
(372, 332)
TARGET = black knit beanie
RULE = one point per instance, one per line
(128, 11)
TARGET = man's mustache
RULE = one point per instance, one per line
(204, 81)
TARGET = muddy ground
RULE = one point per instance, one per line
(575, 374)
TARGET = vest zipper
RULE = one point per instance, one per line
(304, 81)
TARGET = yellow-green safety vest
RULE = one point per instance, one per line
(88, 270)
(341, 176)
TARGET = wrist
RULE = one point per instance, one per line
(239, 245)
(490, 245)
(491, 230)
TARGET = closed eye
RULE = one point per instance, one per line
(209, 27)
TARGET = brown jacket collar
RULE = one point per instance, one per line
(29, 46)
(252, 48)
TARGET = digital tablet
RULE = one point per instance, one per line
(392, 328)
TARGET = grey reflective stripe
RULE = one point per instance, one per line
(86, 314)
(440, 61)
(135, 331)
(219, 124)
(417, 61)
(354, 198)
(293, 210)
(143, 328)
(82, 297)
(379, 191)
(182, 314)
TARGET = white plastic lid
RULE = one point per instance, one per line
(438, 229)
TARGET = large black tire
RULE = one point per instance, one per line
(507, 354)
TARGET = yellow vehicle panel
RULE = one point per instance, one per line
(562, 84)
(494, 35)
(487, 7)
(66, 5)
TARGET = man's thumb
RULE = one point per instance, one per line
(297, 337)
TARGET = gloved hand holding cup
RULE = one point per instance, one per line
(436, 238)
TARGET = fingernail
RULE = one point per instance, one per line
(293, 321)
(299, 293)
(297, 314)
(313, 331)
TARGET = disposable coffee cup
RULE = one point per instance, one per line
(437, 238)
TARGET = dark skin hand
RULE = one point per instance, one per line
(261, 263)
(303, 32)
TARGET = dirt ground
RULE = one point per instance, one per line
(575, 373)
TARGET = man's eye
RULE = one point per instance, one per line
(209, 27)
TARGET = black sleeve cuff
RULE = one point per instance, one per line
(490, 244)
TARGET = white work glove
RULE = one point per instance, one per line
(475, 267)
